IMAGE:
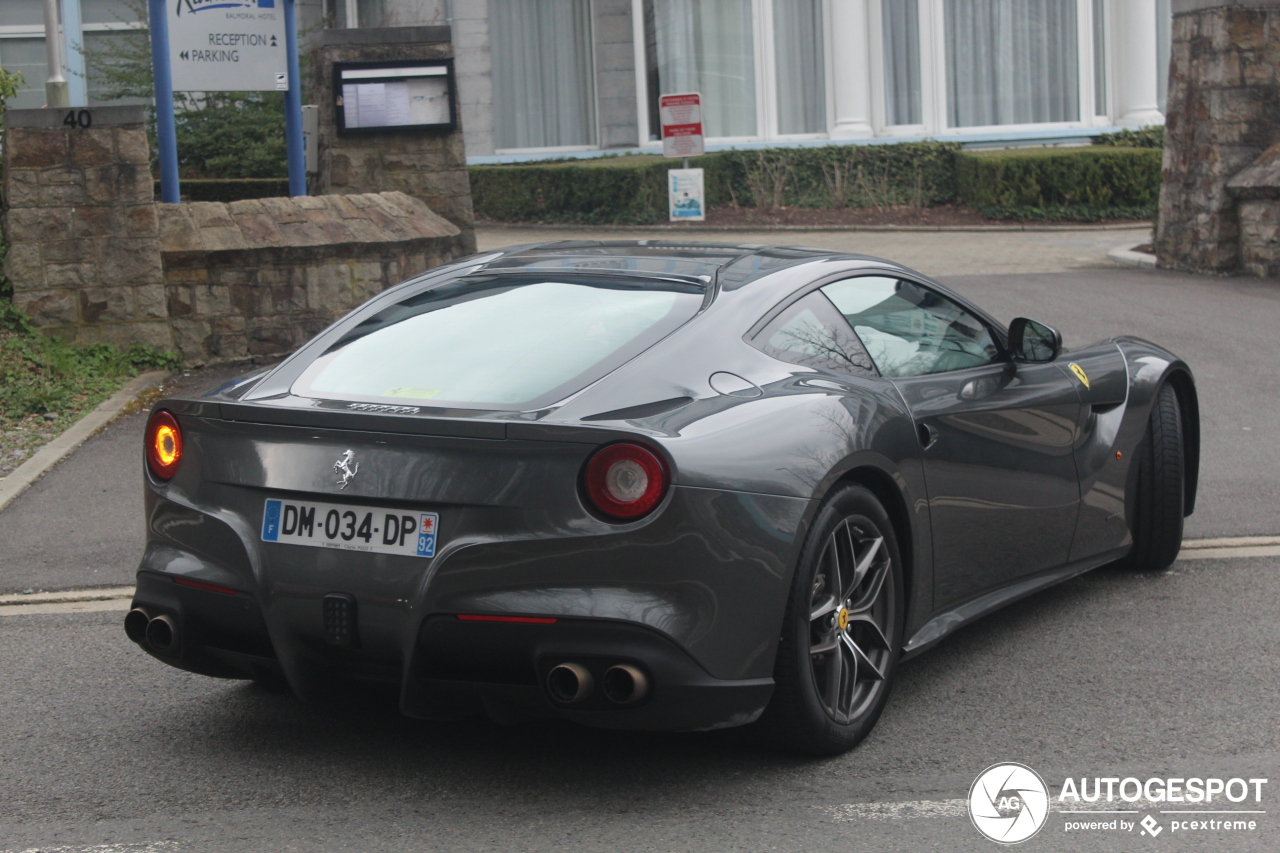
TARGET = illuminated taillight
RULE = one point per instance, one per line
(164, 444)
(625, 481)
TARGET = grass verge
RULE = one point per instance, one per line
(46, 384)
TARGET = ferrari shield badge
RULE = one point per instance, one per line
(1080, 374)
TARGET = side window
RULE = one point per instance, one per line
(910, 330)
(810, 332)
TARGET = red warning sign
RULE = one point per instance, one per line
(681, 117)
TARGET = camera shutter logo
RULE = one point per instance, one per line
(1008, 803)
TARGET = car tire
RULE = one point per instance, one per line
(1159, 488)
(825, 705)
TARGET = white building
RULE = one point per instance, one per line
(538, 76)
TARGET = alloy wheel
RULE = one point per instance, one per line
(850, 619)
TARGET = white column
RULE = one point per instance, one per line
(851, 69)
(1136, 75)
(73, 37)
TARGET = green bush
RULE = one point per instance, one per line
(1151, 136)
(233, 135)
(633, 190)
(1081, 184)
(232, 189)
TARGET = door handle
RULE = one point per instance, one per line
(928, 435)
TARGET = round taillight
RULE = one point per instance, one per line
(164, 444)
(625, 481)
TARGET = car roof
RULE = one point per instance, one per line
(731, 265)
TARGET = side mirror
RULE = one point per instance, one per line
(1033, 342)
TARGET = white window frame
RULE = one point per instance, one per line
(766, 78)
(878, 55)
(933, 74)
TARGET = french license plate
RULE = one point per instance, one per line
(373, 530)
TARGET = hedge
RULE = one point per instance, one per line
(632, 189)
(1099, 182)
(232, 189)
(1151, 136)
(1070, 184)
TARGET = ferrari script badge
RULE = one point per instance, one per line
(1080, 374)
(345, 467)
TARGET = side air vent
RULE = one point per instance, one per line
(644, 410)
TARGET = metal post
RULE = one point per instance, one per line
(73, 38)
(293, 107)
(55, 87)
(166, 129)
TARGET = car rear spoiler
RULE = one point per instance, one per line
(513, 426)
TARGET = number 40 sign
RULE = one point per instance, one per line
(78, 120)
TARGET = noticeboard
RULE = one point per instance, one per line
(395, 95)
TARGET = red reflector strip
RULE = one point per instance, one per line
(210, 587)
(528, 620)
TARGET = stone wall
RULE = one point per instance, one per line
(93, 258)
(431, 166)
(1223, 112)
(81, 224)
(258, 278)
(1257, 193)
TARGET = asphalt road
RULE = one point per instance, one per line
(1108, 675)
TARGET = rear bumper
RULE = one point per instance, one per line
(458, 668)
(502, 668)
(692, 596)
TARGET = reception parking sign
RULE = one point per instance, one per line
(227, 45)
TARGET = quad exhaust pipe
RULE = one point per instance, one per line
(135, 625)
(570, 683)
(160, 633)
(625, 684)
(622, 685)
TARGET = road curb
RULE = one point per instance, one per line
(1126, 255)
(698, 229)
(75, 435)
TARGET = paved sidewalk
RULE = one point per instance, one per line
(935, 253)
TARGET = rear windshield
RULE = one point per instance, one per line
(497, 343)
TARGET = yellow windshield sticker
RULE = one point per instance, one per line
(1080, 374)
(415, 393)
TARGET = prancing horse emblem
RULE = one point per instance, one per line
(344, 467)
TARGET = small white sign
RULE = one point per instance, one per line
(686, 201)
(227, 45)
